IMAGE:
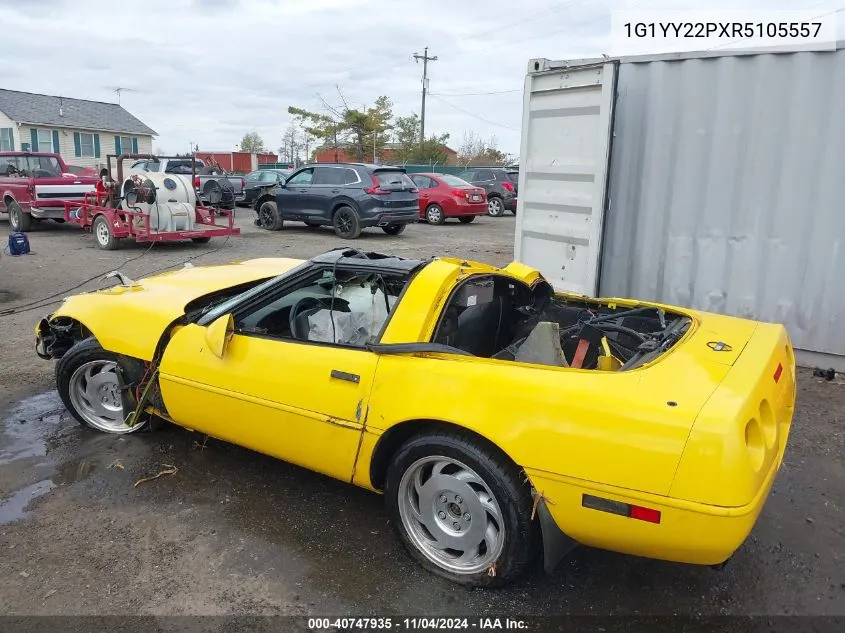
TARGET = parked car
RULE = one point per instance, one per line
(259, 179)
(500, 185)
(502, 420)
(444, 196)
(347, 196)
(204, 176)
(33, 186)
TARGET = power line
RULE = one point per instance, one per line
(473, 94)
(480, 118)
(510, 25)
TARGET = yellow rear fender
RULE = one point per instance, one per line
(377, 460)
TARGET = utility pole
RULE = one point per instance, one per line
(425, 59)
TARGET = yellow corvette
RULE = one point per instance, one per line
(501, 420)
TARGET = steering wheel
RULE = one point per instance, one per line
(314, 304)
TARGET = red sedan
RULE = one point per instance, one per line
(444, 196)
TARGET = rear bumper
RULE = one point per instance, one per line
(510, 203)
(385, 217)
(691, 533)
(463, 210)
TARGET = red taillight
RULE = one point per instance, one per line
(376, 189)
(460, 193)
(243, 183)
(508, 186)
(197, 182)
(644, 514)
(778, 372)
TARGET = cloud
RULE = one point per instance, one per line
(209, 71)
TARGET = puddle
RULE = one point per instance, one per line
(26, 427)
(14, 507)
(71, 472)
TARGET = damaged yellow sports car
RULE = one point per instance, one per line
(501, 420)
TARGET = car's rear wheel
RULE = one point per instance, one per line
(466, 219)
(495, 206)
(18, 220)
(434, 214)
(269, 217)
(103, 235)
(88, 384)
(461, 509)
(346, 223)
(394, 229)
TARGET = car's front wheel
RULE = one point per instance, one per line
(434, 214)
(88, 384)
(461, 509)
(269, 217)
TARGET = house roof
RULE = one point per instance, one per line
(38, 109)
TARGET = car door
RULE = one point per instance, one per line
(292, 393)
(425, 185)
(291, 199)
(14, 181)
(326, 186)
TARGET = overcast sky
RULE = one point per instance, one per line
(209, 71)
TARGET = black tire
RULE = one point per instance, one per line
(346, 223)
(522, 536)
(495, 206)
(103, 235)
(200, 240)
(434, 214)
(394, 229)
(269, 217)
(466, 219)
(18, 219)
(83, 352)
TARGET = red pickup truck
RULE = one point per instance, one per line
(36, 184)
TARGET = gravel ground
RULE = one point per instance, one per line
(234, 532)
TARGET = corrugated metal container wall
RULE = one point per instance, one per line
(727, 184)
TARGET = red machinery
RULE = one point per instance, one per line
(151, 207)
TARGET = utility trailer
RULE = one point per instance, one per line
(150, 207)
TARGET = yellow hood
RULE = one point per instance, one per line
(131, 319)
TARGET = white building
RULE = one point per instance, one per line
(83, 132)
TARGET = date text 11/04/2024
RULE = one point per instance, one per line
(723, 29)
(416, 624)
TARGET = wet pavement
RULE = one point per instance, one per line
(235, 532)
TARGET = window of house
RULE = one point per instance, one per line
(86, 144)
(45, 141)
(126, 146)
(6, 139)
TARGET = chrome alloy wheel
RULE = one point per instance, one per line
(451, 515)
(94, 391)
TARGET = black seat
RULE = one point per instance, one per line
(479, 328)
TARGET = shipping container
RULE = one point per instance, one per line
(711, 180)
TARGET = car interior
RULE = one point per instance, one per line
(347, 308)
(497, 317)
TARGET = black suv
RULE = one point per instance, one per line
(500, 185)
(347, 196)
